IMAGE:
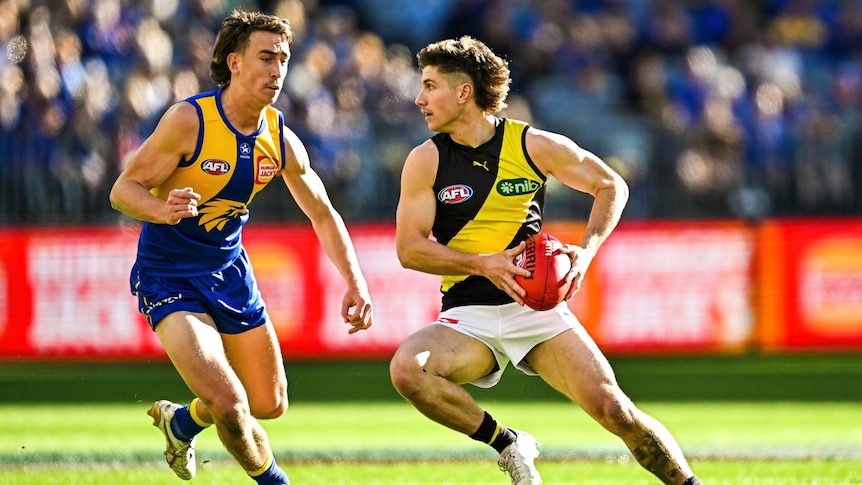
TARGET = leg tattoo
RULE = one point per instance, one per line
(654, 456)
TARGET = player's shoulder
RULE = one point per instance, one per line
(541, 141)
(426, 151)
(181, 113)
(422, 161)
(514, 124)
(426, 147)
(542, 134)
(179, 124)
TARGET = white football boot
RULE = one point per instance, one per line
(518, 459)
(179, 454)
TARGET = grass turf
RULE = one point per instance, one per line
(571, 473)
(390, 443)
(757, 419)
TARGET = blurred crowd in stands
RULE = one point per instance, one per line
(709, 108)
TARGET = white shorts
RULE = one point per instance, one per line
(510, 331)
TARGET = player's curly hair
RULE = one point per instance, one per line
(488, 72)
(233, 36)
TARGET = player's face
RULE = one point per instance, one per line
(438, 99)
(261, 68)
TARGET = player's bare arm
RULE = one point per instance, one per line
(310, 194)
(415, 217)
(153, 162)
(562, 158)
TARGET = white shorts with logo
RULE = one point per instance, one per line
(510, 331)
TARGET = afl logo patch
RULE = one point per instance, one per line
(455, 194)
(214, 166)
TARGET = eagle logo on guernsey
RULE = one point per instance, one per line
(215, 166)
(455, 194)
(216, 213)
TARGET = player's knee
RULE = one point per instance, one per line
(231, 416)
(405, 374)
(615, 412)
(270, 409)
(619, 418)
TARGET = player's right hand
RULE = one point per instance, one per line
(500, 269)
(181, 204)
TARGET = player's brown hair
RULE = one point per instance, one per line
(233, 36)
(488, 72)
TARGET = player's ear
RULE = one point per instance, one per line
(465, 91)
(232, 62)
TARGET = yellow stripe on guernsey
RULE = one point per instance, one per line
(508, 204)
(224, 163)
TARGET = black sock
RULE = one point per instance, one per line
(492, 433)
(692, 480)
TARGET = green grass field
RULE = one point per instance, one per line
(390, 443)
(74, 423)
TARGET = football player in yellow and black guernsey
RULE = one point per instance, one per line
(477, 187)
(191, 183)
(487, 196)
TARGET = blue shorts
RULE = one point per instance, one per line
(230, 296)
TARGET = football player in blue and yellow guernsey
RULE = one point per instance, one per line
(191, 183)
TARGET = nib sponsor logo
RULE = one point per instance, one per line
(513, 187)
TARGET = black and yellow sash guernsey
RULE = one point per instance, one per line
(489, 198)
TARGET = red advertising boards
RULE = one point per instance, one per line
(655, 287)
(64, 292)
(671, 287)
(810, 284)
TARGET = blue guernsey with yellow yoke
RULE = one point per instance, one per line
(489, 198)
(227, 169)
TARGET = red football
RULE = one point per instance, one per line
(546, 286)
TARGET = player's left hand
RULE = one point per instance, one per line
(357, 311)
(581, 260)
